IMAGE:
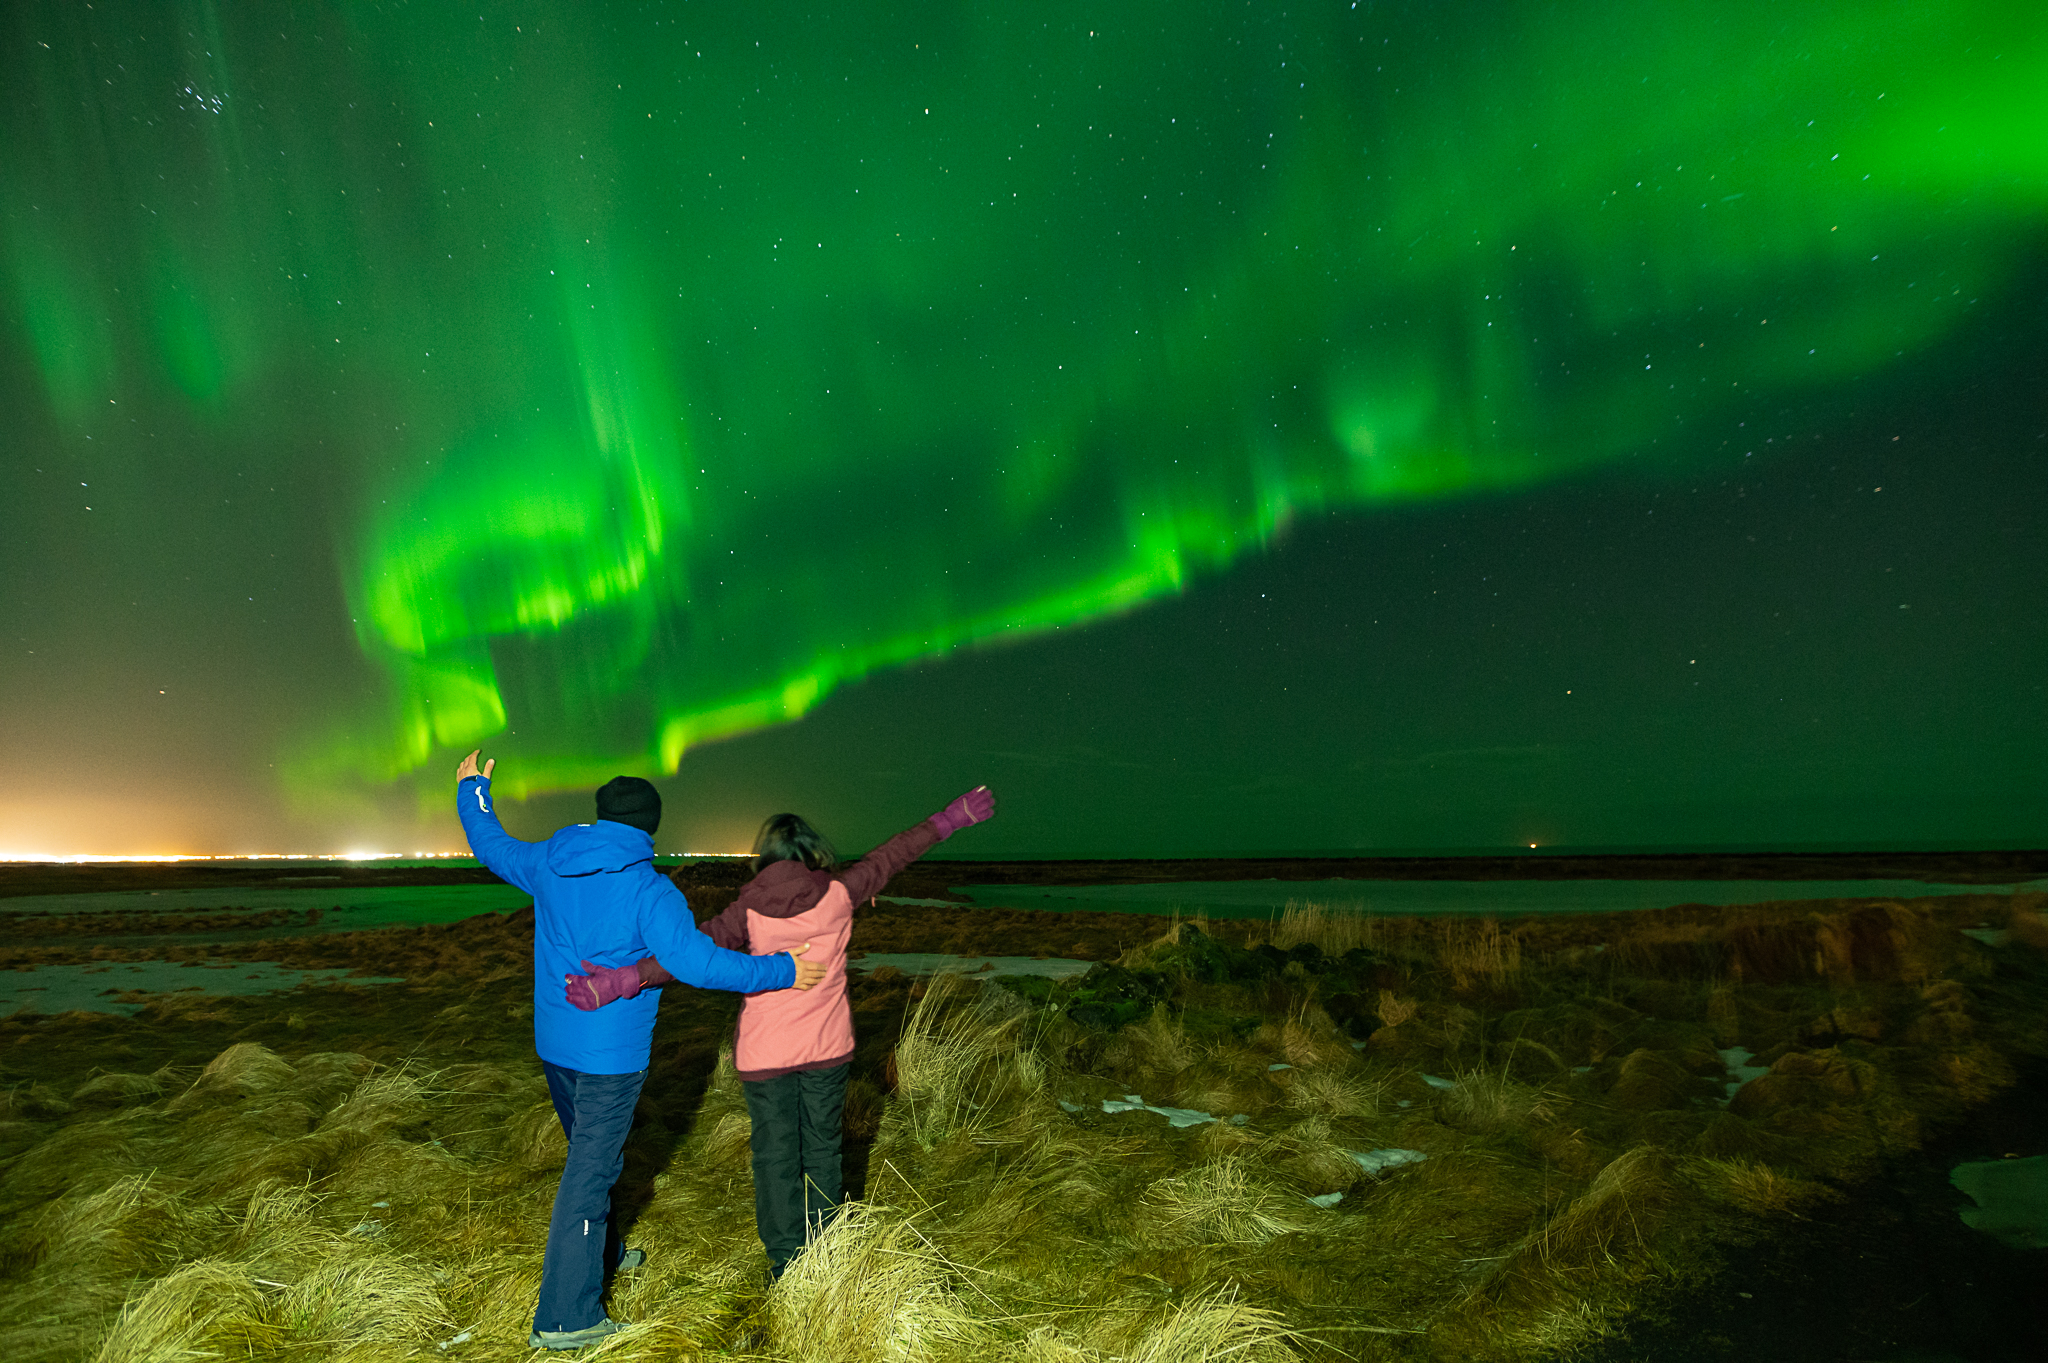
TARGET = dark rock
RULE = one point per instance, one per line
(1272, 959)
(1307, 955)
(1205, 959)
(1109, 996)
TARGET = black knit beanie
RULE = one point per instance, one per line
(630, 800)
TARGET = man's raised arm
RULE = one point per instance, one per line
(510, 859)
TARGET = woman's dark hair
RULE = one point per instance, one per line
(786, 837)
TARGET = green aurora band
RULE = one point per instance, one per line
(684, 364)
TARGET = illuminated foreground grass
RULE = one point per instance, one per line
(317, 1204)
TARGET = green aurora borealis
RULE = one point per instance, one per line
(648, 373)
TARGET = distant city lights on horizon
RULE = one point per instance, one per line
(169, 858)
(91, 858)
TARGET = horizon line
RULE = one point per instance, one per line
(31, 858)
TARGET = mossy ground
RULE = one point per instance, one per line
(206, 1177)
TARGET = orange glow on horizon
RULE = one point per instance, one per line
(93, 859)
(11, 857)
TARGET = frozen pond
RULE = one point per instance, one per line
(343, 910)
(100, 987)
(1263, 898)
(97, 988)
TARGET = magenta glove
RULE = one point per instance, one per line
(973, 807)
(603, 984)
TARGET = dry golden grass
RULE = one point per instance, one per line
(1157, 1043)
(956, 1065)
(1757, 1188)
(205, 1307)
(2025, 923)
(1490, 1103)
(1333, 930)
(1477, 951)
(1226, 1202)
(871, 1287)
(1310, 1153)
(1216, 1327)
(1613, 1218)
(314, 1206)
(1229, 1078)
(1336, 1093)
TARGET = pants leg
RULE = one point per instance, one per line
(562, 1087)
(596, 1112)
(822, 1112)
(773, 1107)
(798, 1119)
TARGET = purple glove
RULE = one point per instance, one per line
(603, 984)
(973, 807)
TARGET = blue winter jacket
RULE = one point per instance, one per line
(598, 898)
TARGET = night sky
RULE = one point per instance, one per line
(1219, 428)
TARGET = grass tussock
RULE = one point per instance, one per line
(206, 1307)
(1332, 931)
(871, 1287)
(1477, 952)
(959, 1060)
(1336, 1093)
(1491, 1103)
(1214, 1327)
(1226, 1202)
(1615, 1217)
(1757, 1188)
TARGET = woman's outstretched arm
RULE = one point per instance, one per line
(867, 877)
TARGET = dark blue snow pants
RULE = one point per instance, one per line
(596, 1112)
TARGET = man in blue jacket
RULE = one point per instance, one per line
(598, 900)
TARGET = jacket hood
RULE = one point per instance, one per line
(590, 848)
(785, 889)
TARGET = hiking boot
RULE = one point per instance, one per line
(632, 1258)
(574, 1339)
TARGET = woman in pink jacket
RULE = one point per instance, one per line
(793, 1048)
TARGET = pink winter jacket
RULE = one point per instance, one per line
(787, 904)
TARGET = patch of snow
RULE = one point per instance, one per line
(1283, 1065)
(445, 1345)
(1379, 1161)
(937, 962)
(1736, 1061)
(1175, 1116)
(1066, 1106)
(1437, 1083)
(1328, 1199)
(1990, 937)
(2011, 1197)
